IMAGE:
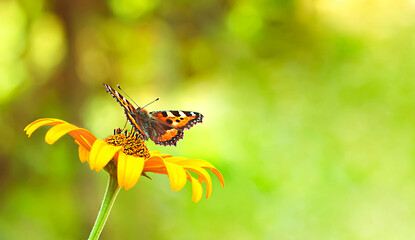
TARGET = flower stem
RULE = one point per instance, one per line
(109, 199)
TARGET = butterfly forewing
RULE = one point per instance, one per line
(178, 119)
(128, 109)
(120, 99)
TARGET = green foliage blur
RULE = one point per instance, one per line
(309, 114)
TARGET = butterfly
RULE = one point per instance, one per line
(162, 127)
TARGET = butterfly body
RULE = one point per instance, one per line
(162, 127)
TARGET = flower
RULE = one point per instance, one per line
(130, 157)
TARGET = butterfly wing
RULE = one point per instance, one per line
(129, 110)
(169, 125)
(178, 119)
(165, 135)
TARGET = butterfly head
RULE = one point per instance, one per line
(141, 113)
(142, 110)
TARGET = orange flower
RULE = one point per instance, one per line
(130, 157)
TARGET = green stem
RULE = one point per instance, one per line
(109, 199)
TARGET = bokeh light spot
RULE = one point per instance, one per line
(132, 9)
(47, 43)
(245, 20)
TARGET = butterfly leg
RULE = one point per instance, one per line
(125, 125)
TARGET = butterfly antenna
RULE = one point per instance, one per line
(118, 85)
(151, 102)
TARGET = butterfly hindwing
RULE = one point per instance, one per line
(170, 136)
(128, 109)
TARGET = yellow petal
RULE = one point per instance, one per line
(29, 129)
(204, 175)
(196, 189)
(121, 168)
(177, 176)
(58, 131)
(129, 170)
(197, 163)
(174, 159)
(194, 162)
(82, 136)
(207, 165)
(96, 148)
(158, 154)
(83, 154)
(77, 133)
(101, 154)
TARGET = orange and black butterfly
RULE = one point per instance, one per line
(162, 127)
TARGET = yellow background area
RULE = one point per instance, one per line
(309, 114)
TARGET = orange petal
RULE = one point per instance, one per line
(154, 162)
(81, 141)
(83, 154)
(129, 170)
(83, 137)
(101, 154)
(218, 175)
(157, 170)
(177, 176)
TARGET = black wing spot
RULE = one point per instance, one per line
(175, 113)
(164, 114)
(181, 119)
(169, 121)
(189, 114)
(177, 120)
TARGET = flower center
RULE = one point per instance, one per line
(130, 141)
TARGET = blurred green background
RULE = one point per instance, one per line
(309, 115)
